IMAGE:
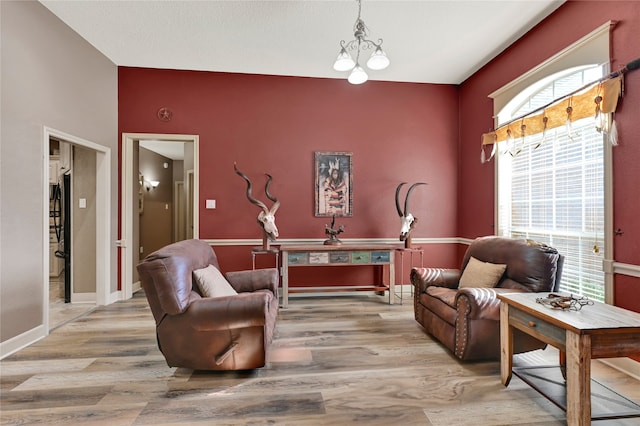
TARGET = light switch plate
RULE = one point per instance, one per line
(211, 204)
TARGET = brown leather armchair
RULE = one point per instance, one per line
(208, 333)
(467, 320)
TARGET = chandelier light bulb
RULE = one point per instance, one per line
(344, 61)
(378, 60)
(358, 75)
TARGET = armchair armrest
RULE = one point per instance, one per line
(252, 280)
(481, 303)
(228, 312)
(421, 278)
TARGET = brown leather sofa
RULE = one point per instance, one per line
(467, 320)
(208, 333)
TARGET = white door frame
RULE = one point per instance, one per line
(103, 211)
(126, 197)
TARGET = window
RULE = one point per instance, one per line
(551, 184)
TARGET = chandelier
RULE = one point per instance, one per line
(377, 61)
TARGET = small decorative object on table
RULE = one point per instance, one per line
(566, 303)
(332, 233)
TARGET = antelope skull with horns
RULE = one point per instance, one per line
(267, 217)
(407, 220)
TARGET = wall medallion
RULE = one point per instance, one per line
(165, 114)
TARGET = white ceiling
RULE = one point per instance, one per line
(427, 41)
(170, 149)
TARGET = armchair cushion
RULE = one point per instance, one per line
(212, 283)
(442, 301)
(480, 274)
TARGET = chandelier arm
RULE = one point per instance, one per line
(360, 44)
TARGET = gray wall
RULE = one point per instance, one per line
(84, 221)
(51, 77)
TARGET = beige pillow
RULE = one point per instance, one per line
(212, 283)
(481, 274)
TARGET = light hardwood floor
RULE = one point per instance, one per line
(337, 360)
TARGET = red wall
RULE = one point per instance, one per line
(566, 25)
(396, 132)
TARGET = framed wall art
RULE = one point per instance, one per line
(334, 184)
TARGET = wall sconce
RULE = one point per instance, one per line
(151, 184)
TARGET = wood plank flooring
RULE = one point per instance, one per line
(335, 360)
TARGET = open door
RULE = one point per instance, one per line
(129, 244)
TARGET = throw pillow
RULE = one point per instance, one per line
(481, 274)
(212, 283)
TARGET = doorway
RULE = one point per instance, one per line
(141, 199)
(76, 280)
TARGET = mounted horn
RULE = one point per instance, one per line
(276, 202)
(400, 213)
(250, 187)
(406, 200)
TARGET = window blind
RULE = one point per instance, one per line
(551, 190)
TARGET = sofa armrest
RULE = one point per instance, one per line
(421, 278)
(229, 312)
(252, 280)
(481, 303)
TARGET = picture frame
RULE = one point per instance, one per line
(333, 184)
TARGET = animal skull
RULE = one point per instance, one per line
(406, 225)
(407, 220)
(267, 221)
(267, 217)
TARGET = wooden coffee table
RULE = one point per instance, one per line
(595, 331)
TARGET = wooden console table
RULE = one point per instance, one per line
(595, 331)
(335, 256)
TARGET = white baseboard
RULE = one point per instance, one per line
(21, 341)
(83, 298)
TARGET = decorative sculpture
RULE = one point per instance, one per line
(407, 220)
(267, 217)
(333, 233)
